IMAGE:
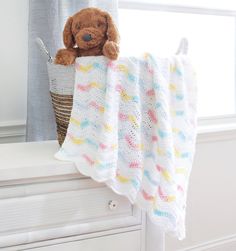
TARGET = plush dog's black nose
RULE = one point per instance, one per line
(87, 37)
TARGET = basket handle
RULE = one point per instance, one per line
(44, 49)
(183, 46)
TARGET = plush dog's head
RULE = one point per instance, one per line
(89, 28)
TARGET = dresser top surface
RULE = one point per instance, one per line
(32, 160)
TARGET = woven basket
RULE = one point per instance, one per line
(61, 87)
(61, 80)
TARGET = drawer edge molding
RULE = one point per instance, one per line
(68, 231)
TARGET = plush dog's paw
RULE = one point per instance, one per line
(65, 57)
(111, 50)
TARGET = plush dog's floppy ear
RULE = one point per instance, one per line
(112, 32)
(111, 46)
(68, 37)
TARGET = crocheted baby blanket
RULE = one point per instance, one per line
(133, 127)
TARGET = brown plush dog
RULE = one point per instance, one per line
(90, 32)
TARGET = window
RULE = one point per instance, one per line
(211, 35)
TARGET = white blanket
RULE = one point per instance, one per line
(133, 127)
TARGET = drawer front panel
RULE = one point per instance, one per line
(64, 209)
(129, 241)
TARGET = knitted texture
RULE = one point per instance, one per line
(133, 127)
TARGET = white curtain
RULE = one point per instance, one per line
(46, 20)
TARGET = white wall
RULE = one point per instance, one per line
(211, 211)
(211, 207)
(13, 61)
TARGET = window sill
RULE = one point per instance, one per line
(216, 132)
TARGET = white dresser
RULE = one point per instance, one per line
(47, 205)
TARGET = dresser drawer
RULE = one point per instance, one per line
(66, 213)
(130, 241)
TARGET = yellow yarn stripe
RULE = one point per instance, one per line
(122, 68)
(84, 68)
(133, 120)
(95, 85)
(122, 179)
(166, 175)
(75, 121)
(108, 128)
(77, 141)
(172, 87)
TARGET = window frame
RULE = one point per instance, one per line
(151, 6)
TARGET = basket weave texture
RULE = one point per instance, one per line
(61, 83)
(62, 105)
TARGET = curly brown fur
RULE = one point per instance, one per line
(90, 32)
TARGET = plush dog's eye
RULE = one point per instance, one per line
(100, 24)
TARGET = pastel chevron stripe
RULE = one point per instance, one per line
(92, 143)
(154, 138)
(174, 69)
(150, 93)
(136, 184)
(84, 68)
(161, 152)
(128, 117)
(152, 116)
(135, 164)
(75, 121)
(167, 198)
(77, 141)
(122, 68)
(81, 124)
(146, 196)
(150, 179)
(180, 188)
(98, 107)
(178, 113)
(122, 179)
(87, 87)
(133, 125)
(163, 214)
(124, 95)
(100, 67)
(105, 165)
(179, 96)
(88, 159)
(162, 133)
(132, 144)
(173, 87)
(150, 155)
(164, 172)
(108, 127)
(183, 155)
